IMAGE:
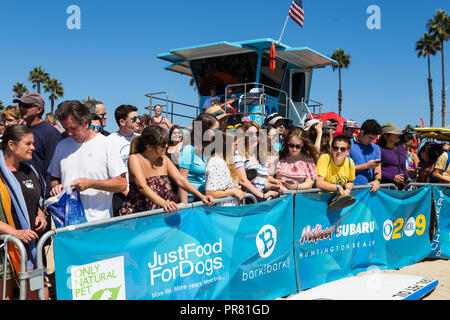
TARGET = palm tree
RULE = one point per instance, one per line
(56, 90)
(38, 76)
(439, 27)
(88, 99)
(343, 61)
(19, 89)
(426, 46)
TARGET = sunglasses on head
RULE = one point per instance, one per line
(99, 128)
(342, 149)
(294, 146)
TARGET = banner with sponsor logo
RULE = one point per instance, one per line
(440, 244)
(200, 253)
(385, 230)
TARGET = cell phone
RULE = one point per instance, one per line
(405, 179)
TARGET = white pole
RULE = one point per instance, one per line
(283, 29)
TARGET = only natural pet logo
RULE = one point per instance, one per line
(101, 280)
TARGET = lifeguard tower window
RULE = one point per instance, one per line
(298, 86)
(273, 79)
(224, 70)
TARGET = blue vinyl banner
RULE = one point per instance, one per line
(440, 245)
(385, 230)
(198, 253)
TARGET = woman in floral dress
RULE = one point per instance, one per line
(150, 173)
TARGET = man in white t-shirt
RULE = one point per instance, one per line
(128, 121)
(86, 161)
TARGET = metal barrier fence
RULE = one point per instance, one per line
(23, 274)
(314, 190)
(422, 184)
(37, 276)
(248, 198)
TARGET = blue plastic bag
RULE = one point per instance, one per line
(66, 208)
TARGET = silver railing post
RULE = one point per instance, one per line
(23, 264)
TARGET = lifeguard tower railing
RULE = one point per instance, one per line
(255, 100)
(171, 108)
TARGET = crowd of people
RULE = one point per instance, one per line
(150, 163)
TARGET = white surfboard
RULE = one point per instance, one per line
(377, 286)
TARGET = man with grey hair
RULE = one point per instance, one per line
(98, 108)
(86, 161)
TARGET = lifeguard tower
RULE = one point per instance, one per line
(244, 68)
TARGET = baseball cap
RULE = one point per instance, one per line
(389, 127)
(350, 124)
(310, 123)
(31, 98)
(275, 117)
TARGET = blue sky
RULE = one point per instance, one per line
(113, 56)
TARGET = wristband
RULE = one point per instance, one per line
(338, 187)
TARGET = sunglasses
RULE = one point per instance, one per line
(342, 149)
(294, 146)
(135, 118)
(164, 144)
(25, 106)
(99, 128)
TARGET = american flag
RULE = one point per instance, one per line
(296, 12)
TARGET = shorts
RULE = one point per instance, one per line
(9, 270)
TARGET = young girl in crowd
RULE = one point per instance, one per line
(51, 119)
(22, 196)
(11, 116)
(259, 183)
(427, 159)
(150, 174)
(191, 161)
(297, 167)
(412, 160)
(221, 176)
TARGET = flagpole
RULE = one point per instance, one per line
(283, 29)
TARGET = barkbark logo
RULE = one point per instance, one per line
(102, 280)
(266, 240)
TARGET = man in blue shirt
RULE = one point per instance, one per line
(367, 155)
(213, 96)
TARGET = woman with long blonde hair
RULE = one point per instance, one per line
(251, 165)
(221, 177)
